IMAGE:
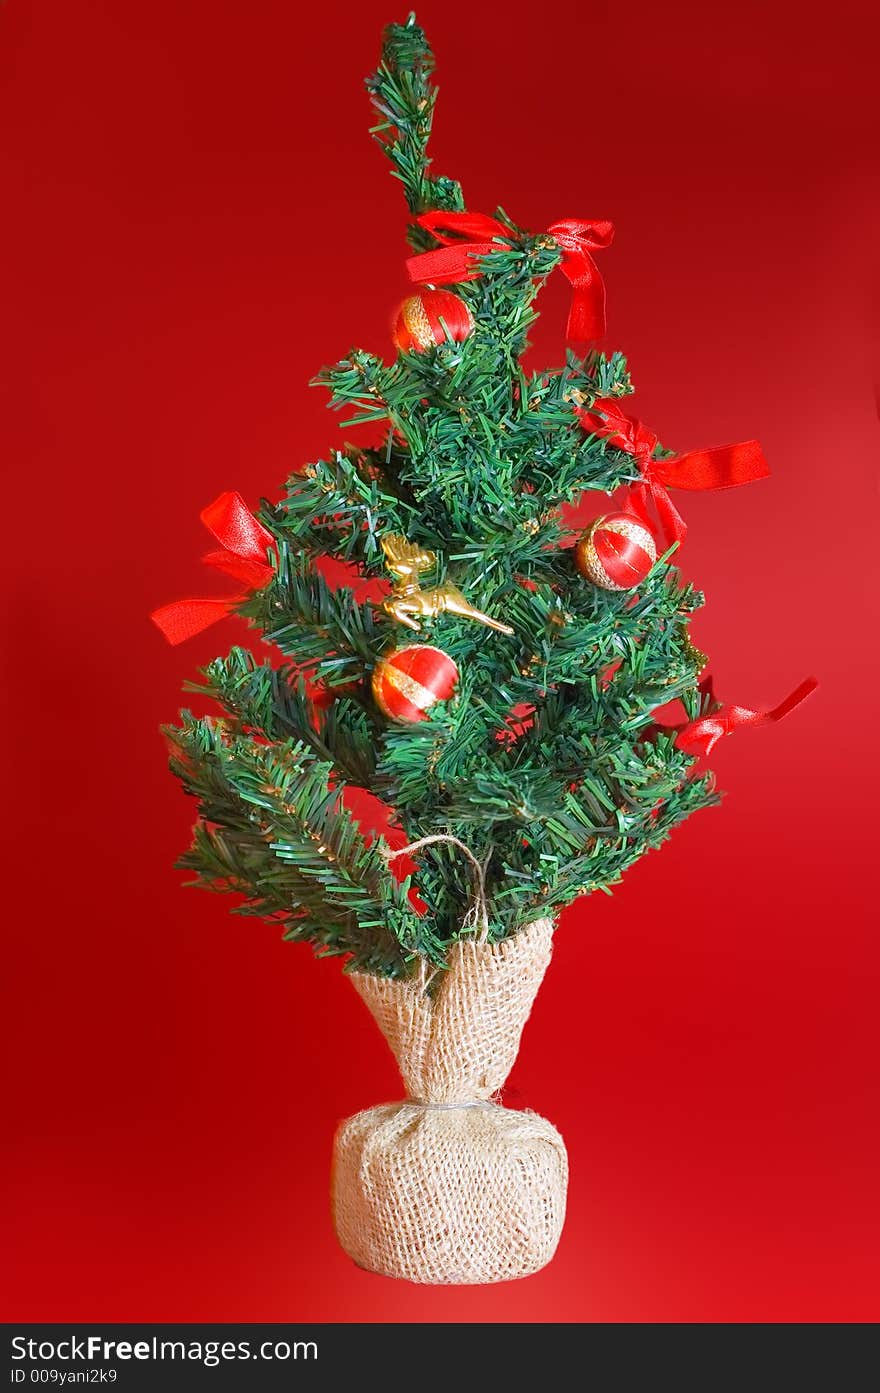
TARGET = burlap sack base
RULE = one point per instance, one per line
(462, 1195)
(433, 1191)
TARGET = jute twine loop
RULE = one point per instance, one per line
(478, 913)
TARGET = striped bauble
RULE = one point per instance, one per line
(408, 681)
(417, 324)
(617, 552)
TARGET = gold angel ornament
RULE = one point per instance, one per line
(408, 603)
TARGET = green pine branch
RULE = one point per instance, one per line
(342, 507)
(275, 703)
(404, 98)
(273, 828)
(327, 632)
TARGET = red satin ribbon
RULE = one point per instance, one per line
(722, 468)
(586, 317)
(467, 236)
(245, 543)
(700, 737)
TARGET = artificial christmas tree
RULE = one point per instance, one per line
(504, 711)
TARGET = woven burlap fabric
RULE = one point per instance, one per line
(448, 1186)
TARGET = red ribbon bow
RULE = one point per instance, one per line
(723, 468)
(245, 543)
(466, 236)
(700, 737)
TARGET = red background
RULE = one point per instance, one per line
(195, 222)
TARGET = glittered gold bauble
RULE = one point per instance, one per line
(429, 318)
(617, 552)
(410, 680)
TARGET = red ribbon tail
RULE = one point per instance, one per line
(254, 574)
(699, 470)
(246, 545)
(667, 522)
(463, 226)
(449, 265)
(464, 236)
(700, 737)
(586, 317)
(672, 524)
(235, 527)
(723, 468)
(185, 618)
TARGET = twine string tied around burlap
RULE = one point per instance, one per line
(448, 1107)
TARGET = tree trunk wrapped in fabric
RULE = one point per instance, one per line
(448, 1186)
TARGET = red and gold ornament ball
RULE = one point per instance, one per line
(410, 680)
(417, 324)
(617, 552)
